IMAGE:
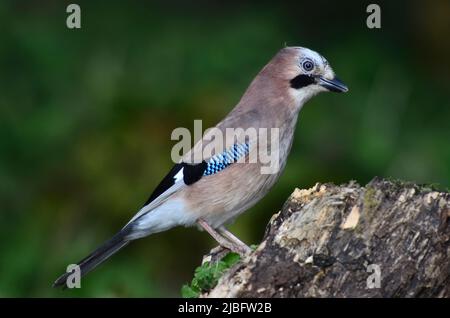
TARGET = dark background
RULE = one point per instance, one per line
(86, 117)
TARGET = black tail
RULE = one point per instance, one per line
(97, 257)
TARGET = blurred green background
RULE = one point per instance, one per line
(86, 117)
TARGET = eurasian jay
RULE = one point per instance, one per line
(213, 190)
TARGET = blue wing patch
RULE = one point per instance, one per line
(220, 161)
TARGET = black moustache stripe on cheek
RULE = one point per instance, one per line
(301, 81)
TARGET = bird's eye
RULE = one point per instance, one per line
(308, 65)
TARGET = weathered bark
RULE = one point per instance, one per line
(323, 240)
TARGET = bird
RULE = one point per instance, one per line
(213, 190)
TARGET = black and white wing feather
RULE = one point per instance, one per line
(184, 174)
(181, 175)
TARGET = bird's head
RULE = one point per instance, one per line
(304, 73)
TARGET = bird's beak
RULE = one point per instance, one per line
(333, 85)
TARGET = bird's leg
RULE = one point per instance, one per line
(223, 241)
(232, 238)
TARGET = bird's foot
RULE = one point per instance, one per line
(241, 250)
(216, 254)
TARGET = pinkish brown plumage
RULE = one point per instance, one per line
(212, 189)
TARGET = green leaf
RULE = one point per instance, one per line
(231, 258)
(207, 275)
(189, 292)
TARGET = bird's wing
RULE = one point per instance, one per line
(180, 175)
(184, 174)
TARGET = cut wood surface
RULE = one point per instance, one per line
(387, 239)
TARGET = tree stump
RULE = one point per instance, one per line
(387, 239)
